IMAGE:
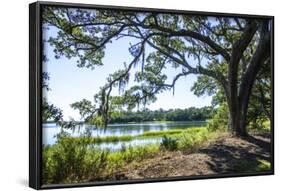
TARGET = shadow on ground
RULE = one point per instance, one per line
(238, 155)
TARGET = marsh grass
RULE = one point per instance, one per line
(124, 138)
(69, 162)
(79, 159)
(160, 133)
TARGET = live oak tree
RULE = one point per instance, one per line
(228, 51)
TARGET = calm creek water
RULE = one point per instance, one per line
(51, 129)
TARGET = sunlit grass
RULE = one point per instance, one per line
(160, 133)
(191, 139)
(98, 140)
(69, 162)
(120, 158)
(124, 138)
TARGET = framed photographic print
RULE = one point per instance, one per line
(123, 95)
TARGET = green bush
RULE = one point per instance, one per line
(259, 125)
(118, 159)
(71, 161)
(192, 138)
(220, 119)
(169, 143)
(68, 161)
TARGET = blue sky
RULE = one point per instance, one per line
(69, 84)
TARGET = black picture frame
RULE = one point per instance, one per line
(35, 94)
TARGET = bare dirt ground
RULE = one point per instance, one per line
(220, 156)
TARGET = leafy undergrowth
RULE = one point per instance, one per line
(263, 127)
(69, 161)
(78, 159)
(192, 139)
(189, 152)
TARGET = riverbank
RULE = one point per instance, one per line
(193, 151)
(227, 154)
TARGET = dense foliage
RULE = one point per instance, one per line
(190, 114)
(69, 162)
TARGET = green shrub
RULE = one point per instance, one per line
(190, 139)
(220, 119)
(68, 161)
(118, 159)
(72, 161)
(169, 143)
(259, 125)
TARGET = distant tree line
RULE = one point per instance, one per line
(189, 114)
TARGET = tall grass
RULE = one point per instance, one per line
(73, 160)
(191, 139)
(160, 133)
(70, 161)
(98, 140)
(126, 155)
(123, 138)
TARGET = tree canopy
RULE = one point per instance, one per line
(227, 53)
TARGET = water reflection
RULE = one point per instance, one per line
(51, 129)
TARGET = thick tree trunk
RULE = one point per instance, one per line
(238, 98)
(238, 119)
(243, 119)
(233, 99)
